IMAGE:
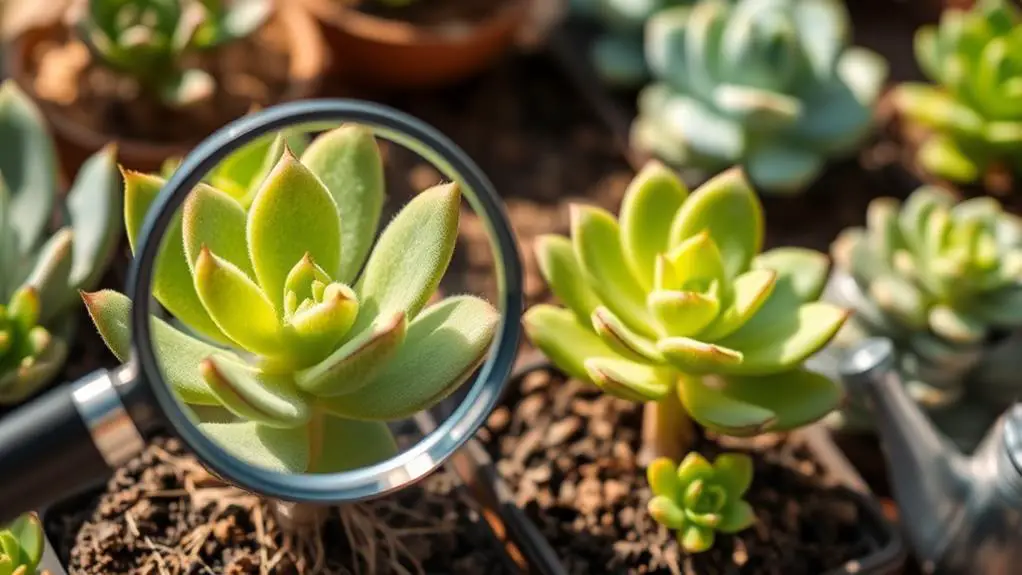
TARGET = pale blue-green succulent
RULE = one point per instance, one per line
(771, 85)
(617, 52)
(300, 339)
(41, 273)
(974, 111)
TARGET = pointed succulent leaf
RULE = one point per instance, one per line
(340, 444)
(173, 285)
(736, 516)
(779, 339)
(442, 348)
(682, 314)
(560, 335)
(729, 210)
(597, 242)
(629, 380)
(733, 471)
(24, 307)
(313, 333)
(95, 206)
(559, 267)
(347, 160)
(801, 270)
(28, 164)
(215, 220)
(356, 363)
(276, 449)
(405, 267)
(647, 210)
(666, 512)
(796, 398)
(944, 157)
(10, 550)
(179, 355)
(292, 214)
(662, 475)
(933, 108)
(50, 277)
(269, 399)
(303, 276)
(698, 357)
(749, 292)
(237, 305)
(27, 530)
(36, 370)
(692, 468)
(698, 262)
(714, 409)
(696, 539)
(621, 339)
(955, 326)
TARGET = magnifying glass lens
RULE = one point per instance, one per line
(309, 299)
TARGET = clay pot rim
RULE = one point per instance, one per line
(308, 61)
(400, 33)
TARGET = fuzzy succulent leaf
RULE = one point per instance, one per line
(94, 204)
(723, 325)
(311, 369)
(697, 499)
(773, 86)
(974, 108)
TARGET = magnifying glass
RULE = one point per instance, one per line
(282, 328)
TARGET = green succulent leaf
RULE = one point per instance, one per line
(95, 205)
(276, 449)
(559, 267)
(662, 475)
(621, 339)
(597, 241)
(568, 343)
(356, 363)
(682, 314)
(442, 348)
(27, 531)
(696, 539)
(347, 160)
(346, 444)
(780, 338)
(411, 256)
(666, 512)
(736, 516)
(729, 210)
(629, 380)
(750, 291)
(697, 357)
(647, 212)
(216, 221)
(693, 467)
(268, 399)
(801, 271)
(733, 471)
(796, 398)
(179, 354)
(933, 108)
(50, 277)
(292, 214)
(712, 407)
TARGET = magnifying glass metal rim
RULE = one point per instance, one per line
(430, 452)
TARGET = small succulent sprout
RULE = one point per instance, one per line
(768, 84)
(301, 337)
(676, 300)
(939, 277)
(697, 500)
(150, 39)
(21, 546)
(974, 108)
(40, 274)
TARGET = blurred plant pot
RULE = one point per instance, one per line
(381, 52)
(307, 59)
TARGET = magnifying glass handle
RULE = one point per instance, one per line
(63, 442)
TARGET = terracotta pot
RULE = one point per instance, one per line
(76, 142)
(385, 53)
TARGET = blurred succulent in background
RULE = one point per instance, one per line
(291, 352)
(150, 39)
(944, 281)
(39, 283)
(975, 109)
(617, 52)
(21, 546)
(676, 306)
(768, 84)
(698, 499)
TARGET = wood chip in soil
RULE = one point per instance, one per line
(569, 452)
(163, 514)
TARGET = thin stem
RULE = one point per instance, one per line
(667, 430)
(299, 518)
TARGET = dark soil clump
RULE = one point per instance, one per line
(568, 452)
(163, 513)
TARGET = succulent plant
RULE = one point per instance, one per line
(768, 84)
(150, 39)
(698, 499)
(617, 52)
(974, 111)
(288, 351)
(676, 302)
(40, 274)
(21, 546)
(943, 280)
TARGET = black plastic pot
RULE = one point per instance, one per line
(512, 565)
(887, 549)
